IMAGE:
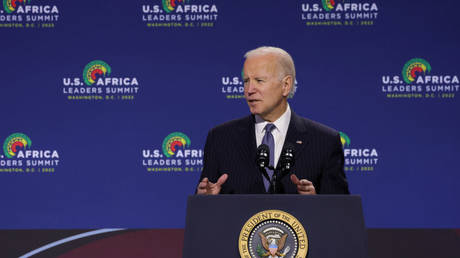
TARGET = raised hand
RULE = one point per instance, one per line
(303, 185)
(208, 187)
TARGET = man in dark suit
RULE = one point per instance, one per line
(231, 148)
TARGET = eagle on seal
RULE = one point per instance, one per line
(273, 248)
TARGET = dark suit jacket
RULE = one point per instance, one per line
(231, 148)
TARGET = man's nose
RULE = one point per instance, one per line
(250, 86)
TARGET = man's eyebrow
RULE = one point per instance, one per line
(256, 77)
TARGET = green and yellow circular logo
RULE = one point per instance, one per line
(94, 69)
(344, 139)
(15, 141)
(273, 233)
(174, 141)
(414, 68)
(328, 5)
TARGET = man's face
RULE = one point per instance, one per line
(264, 89)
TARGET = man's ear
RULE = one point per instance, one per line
(287, 85)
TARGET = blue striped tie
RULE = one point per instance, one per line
(270, 142)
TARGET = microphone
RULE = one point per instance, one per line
(285, 163)
(263, 156)
(263, 160)
(287, 158)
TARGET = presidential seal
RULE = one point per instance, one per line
(273, 234)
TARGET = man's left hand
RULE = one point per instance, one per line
(303, 185)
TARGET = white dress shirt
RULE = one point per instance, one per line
(279, 133)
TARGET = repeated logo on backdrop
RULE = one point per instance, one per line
(175, 155)
(339, 13)
(232, 86)
(358, 159)
(19, 156)
(98, 83)
(180, 13)
(28, 14)
(417, 81)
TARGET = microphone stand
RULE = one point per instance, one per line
(274, 180)
(278, 174)
(272, 188)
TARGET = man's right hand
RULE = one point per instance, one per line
(207, 187)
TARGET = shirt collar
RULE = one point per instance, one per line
(282, 123)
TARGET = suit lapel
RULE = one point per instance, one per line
(297, 134)
(246, 134)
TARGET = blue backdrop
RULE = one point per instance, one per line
(97, 157)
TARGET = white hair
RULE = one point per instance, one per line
(284, 60)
